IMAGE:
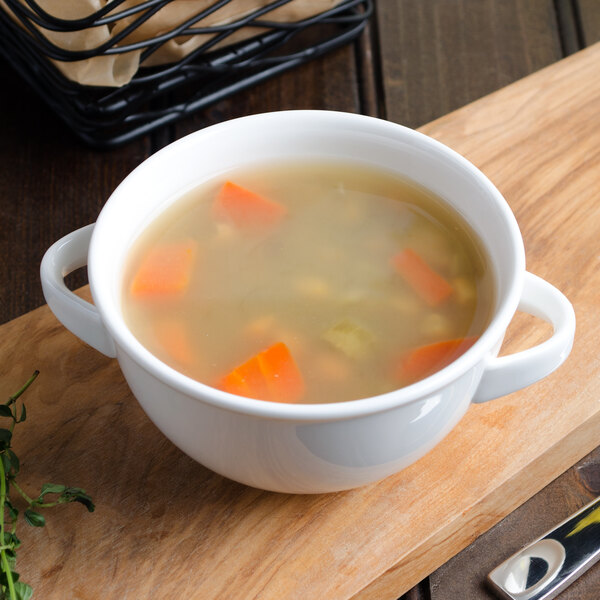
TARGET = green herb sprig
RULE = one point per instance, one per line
(51, 494)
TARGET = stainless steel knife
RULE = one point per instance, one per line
(544, 568)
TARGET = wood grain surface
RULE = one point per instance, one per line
(437, 56)
(588, 19)
(464, 575)
(167, 527)
(418, 60)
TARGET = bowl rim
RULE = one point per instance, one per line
(485, 346)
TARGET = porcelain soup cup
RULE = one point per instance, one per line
(307, 448)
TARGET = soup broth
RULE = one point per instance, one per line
(311, 282)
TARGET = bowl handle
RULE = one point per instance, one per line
(78, 316)
(506, 374)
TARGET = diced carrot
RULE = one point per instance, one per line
(172, 336)
(425, 360)
(426, 282)
(246, 208)
(234, 383)
(165, 270)
(281, 373)
(269, 375)
(254, 378)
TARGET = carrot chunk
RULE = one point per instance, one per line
(426, 282)
(252, 376)
(245, 208)
(425, 360)
(269, 375)
(281, 373)
(165, 270)
(234, 383)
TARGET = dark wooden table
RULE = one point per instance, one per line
(418, 60)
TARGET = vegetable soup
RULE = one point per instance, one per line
(307, 282)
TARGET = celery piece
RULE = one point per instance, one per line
(350, 338)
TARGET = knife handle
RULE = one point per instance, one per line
(544, 568)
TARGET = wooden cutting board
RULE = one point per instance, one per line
(166, 527)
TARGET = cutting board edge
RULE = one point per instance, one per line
(483, 515)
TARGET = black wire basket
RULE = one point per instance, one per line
(155, 96)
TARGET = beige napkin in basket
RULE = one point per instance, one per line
(118, 69)
(113, 70)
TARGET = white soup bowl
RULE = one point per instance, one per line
(304, 448)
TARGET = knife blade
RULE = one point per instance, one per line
(544, 568)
